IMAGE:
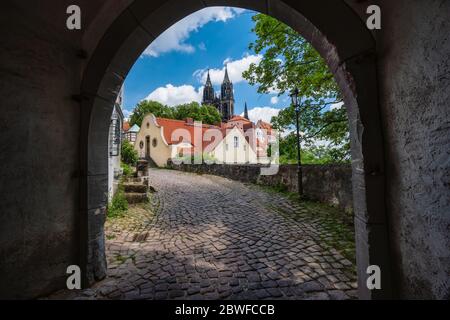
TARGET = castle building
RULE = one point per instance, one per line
(225, 101)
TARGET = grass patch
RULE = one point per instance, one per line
(110, 237)
(121, 259)
(118, 205)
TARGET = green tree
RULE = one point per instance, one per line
(288, 62)
(147, 106)
(129, 155)
(204, 113)
(210, 114)
(310, 154)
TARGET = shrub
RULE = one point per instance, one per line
(127, 170)
(129, 155)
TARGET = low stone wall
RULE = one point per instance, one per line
(331, 184)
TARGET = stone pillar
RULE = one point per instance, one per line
(142, 168)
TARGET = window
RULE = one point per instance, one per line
(141, 144)
(259, 133)
(154, 142)
(236, 142)
(114, 135)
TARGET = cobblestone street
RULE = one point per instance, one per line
(207, 237)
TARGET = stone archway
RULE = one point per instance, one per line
(349, 50)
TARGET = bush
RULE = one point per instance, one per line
(127, 170)
(118, 205)
(129, 155)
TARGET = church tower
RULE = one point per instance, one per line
(208, 92)
(227, 98)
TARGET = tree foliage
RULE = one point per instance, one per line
(310, 154)
(288, 62)
(147, 106)
(204, 113)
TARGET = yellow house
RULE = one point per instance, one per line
(161, 139)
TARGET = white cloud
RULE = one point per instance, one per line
(126, 113)
(235, 69)
(171, 95)
(174, 38)
(274, 100)
(262, 113)
(336, 105)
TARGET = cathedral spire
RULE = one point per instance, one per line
(226, 79)
(226, 97)
(208, 92)
(208, 80)
(246, 112)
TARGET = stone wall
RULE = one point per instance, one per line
(415, 97)
(331, 184)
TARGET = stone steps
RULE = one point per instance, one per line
(136, 197)
(135, 188)
(142, 180)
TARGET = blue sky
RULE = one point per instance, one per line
(172, 69)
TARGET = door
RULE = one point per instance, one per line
(147, 147)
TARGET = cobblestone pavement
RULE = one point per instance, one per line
(208, 237)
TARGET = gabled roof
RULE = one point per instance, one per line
(134, 128)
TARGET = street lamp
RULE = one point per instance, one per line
(294, 97)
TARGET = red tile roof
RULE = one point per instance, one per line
(170, 125)
(238, 118)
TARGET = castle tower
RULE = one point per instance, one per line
(227, 98)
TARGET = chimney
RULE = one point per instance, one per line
(189, 121)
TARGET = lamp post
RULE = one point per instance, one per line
(294, 97)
